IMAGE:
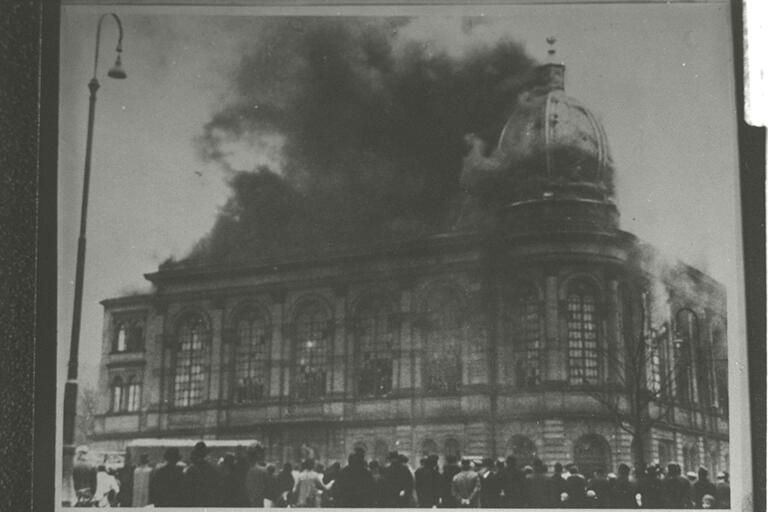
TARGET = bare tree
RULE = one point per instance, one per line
(87, 408)
(643, 379)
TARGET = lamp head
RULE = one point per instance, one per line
(117, 70)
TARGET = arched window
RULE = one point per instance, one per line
(190, 372)
(251, 356)
(686, 336)
(524, 335)
(375, 339)
(136, 336)
(522, 449)
(128, 335)
(583, 348)
(116, 395)
(452, 448)
(442, 347)
(133, 392)
(121, 345)
(429, 447)
(590, 453)
(312, 350)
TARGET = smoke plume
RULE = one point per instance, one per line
(354, 132)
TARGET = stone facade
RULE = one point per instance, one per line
(491, 339)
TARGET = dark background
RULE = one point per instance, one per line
(29, 35)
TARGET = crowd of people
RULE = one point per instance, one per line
(247, 481)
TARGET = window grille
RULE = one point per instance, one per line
(583, 362)
(251, 359)
(375, 340)
(312, 350)
(116, 398)
(191, 360)
(133, 395)
(442, 356)
(524, 331)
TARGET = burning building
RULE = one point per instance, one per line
(532, 325)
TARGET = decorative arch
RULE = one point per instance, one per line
(442, 332)
(190, 362)
(583, 332)
(590, 453)
(252, 334)
(523, 333)
(429, 447)
(522, 449)
(314, 299)
(374, 334)
(312, 347)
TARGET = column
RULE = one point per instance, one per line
(554, 446)
(279, 343)
(338, 360)
(555, 348)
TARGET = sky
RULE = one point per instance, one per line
(658, 76)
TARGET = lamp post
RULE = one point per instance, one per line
(70, 389)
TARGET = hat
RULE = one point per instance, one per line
(539, 466)
(393, 456)
(200, 450)
(172, 455)
(722, 475)
(487, 462)
(691, 475)
(81, 449)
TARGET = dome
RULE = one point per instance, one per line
(551, 143)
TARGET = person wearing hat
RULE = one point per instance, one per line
(465, 486)
(141, 475)
(623, 490)
(723, 490)
(490, 484)
(676, 489)
(202, 479)
(83, 476)
(512, 484)
(450, 469)
(256, 478)
(602, 489)
(702, 487)
(166, 484)
(427, 482)
(576, 487)
(558, 483)
(539, 492)
(398, 482)
(354, 486)
(650, 489)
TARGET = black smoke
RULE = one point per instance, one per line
(372, 128)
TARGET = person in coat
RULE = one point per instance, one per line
(676, 488)
(166, 483)
(465, 487)
(427, 483)
(255, 482)
(354, 485)
(398, 482)
(202, 479)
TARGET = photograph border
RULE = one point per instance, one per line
(28, 268)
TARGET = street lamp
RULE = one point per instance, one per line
(70, 389)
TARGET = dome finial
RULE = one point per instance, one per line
(551, 40)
